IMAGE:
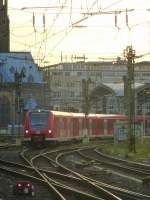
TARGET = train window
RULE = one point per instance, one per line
(39, 120)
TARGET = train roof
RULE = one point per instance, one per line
(71, 114)
(60, 113)
(106, 115)
(82, 115)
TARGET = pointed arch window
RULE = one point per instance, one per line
(30, 79)
(12, 69)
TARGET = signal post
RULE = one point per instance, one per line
(129, 53)
(18, 99)
(86, 107)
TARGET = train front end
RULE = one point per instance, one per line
(38, 126)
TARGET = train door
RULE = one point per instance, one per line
(80, 127)
(66, 127)
(110, 126)
(56, 126)
(100, 127)
(62, 127)
(90, 127)
(93, 126)
(75, 127)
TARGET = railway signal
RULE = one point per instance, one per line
(18, 100)
(18, 83)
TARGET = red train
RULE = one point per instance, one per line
(45, 125)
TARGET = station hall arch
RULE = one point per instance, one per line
(98, 98)
(143, 99)
(143, 106)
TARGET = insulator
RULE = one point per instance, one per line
(127, 18)
(115, 19)
(33, 20)
(44, 21)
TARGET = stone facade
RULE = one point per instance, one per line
(12, 105)
(4, 27)
(104, 82)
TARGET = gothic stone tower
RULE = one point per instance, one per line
(4, 27)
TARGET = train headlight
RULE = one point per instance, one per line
(26, 131)
(49, 131)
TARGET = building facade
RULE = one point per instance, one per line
(103, 82)
(14, 98)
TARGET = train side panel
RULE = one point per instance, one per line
(59, 126)
(96, 127)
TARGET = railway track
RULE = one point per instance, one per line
(135, 169)
(123, 193)
(95, 193)
(118, 191)
(61, 181)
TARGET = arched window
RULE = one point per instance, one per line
(12, 69)
(30, 79)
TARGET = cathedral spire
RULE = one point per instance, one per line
(4, 30)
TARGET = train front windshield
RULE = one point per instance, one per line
(39, 120)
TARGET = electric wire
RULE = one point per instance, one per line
(49, 35)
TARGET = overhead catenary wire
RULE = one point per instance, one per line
(63, 36)
(48, 37)
(61, 31)
(46, 34)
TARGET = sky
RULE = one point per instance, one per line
(67, 30)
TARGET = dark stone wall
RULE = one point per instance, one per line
(4, 27)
